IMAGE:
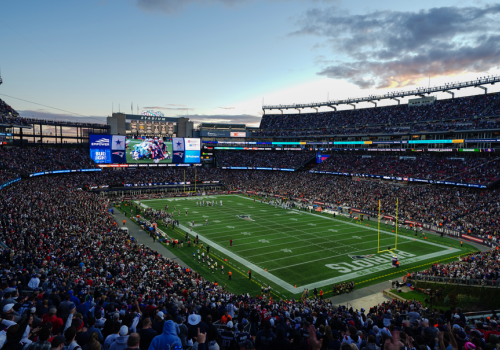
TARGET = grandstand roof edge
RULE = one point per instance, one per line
(400, 94)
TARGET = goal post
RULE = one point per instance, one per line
(378, 229)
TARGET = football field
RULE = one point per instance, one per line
(291, 250)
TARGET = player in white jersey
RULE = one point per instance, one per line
(221, 203)
(206, 222)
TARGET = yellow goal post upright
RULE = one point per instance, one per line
(188, 191)
(396, 239)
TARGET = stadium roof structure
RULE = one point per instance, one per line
(478, 83)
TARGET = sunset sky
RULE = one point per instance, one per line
(219, 60)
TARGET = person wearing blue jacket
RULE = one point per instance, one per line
(165, 340)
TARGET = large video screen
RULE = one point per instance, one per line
(114, 149)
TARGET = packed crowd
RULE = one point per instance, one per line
(35, 159)
(475, 124)
(461, 209)
(366, 120)
(463, 170)
(276, 159)
(5, 109)
(481, 266)
(94, 288)
(9, 116)
(72, 280)
(6, 175)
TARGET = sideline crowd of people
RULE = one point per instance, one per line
(480, 266)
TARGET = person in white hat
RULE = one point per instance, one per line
(121, 341)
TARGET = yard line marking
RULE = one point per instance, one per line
(310, 261)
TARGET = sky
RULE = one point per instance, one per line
(220, 60)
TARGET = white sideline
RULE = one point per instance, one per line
(290, 288)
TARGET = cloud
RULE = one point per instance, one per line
(394, 49)
(44, 114)
(226, 107)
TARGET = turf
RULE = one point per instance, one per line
(130, 148)
(292, 250)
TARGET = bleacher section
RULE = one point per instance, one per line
(465, 113)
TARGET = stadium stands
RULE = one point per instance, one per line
(455, 208)
(471, 170)
(84, 271)
(9, 116)
(36, 159)
(6, 110)
(479, 268)
(276, 159)
(458, 114)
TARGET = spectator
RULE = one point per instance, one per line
(167, 338)
(120, 342)
(147, 334)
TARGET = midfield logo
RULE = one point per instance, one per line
(245, 217)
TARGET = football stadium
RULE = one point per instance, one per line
(368, 221)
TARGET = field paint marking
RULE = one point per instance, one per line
(290, 288)
(374, 269)
(307, 240)
(246, 263)
(370, 270)
(309, 261)
(275, 239)
(368, 228)
(315, 252)
(302, 233)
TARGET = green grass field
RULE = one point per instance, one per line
(135, 142)
(291, 250)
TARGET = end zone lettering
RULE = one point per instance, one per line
(360, 264)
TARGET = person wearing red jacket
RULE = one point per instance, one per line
(52, 318)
